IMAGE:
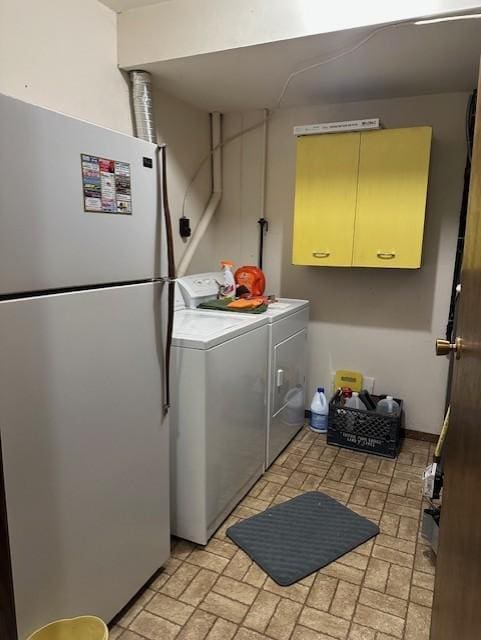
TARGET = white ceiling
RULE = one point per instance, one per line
(124, 5)
(403, 61)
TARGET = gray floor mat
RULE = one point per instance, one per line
(300, 536)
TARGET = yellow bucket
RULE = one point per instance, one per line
(81, 628)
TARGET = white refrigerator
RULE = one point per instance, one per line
(84, 488)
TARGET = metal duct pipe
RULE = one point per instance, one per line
(144, 124)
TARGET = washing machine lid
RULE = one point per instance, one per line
(279, 310)
(205, 330)
(283, 308)
(201, 287)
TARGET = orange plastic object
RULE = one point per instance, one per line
(252, 278)
(246, 303)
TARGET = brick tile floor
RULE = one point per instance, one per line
(381, 591)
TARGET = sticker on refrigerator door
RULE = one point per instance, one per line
(122, 187)
(106, 185)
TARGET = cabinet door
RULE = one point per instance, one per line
(391, 198)
(325, 204)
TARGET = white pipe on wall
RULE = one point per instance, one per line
(215, 197)
(216, 132)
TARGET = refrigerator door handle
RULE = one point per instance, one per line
(170, 279)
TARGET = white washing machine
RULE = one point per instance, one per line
(287, 358)
(218, 428)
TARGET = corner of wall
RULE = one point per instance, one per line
(74, 48)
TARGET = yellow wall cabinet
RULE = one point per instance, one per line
(361, 198)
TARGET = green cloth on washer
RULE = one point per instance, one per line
(221, 305)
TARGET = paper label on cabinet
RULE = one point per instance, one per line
(106, 185)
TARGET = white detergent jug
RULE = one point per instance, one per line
(319, 411)
(355, 402)
(388, 406)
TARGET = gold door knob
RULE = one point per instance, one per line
(444, 347)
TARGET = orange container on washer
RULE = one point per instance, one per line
(252, 278)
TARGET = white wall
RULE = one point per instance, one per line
(182, 28)
(381, 322)
(186, 131)
(62, 54)
(232, 233)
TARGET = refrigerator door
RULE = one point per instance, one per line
(85, 450)
(48, 240)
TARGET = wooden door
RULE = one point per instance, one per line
(391, 198)
(457, 594)
(325, 203)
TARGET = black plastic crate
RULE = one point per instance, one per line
(364, 430)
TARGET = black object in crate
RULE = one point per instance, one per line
(365, 430)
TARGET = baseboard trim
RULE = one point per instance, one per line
(421, 435)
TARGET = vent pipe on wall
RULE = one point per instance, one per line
(144, 126)
(143, 106)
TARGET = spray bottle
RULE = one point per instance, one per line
(228, 289)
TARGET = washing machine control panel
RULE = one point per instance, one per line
(200, 287)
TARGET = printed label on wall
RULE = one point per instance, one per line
(106, 185)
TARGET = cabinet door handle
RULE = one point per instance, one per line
(279, 377)
(386, 255)
(321, 254)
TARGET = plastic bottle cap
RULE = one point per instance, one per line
(320, 389)
(226, 263)
(389, 398)
(355, 394)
